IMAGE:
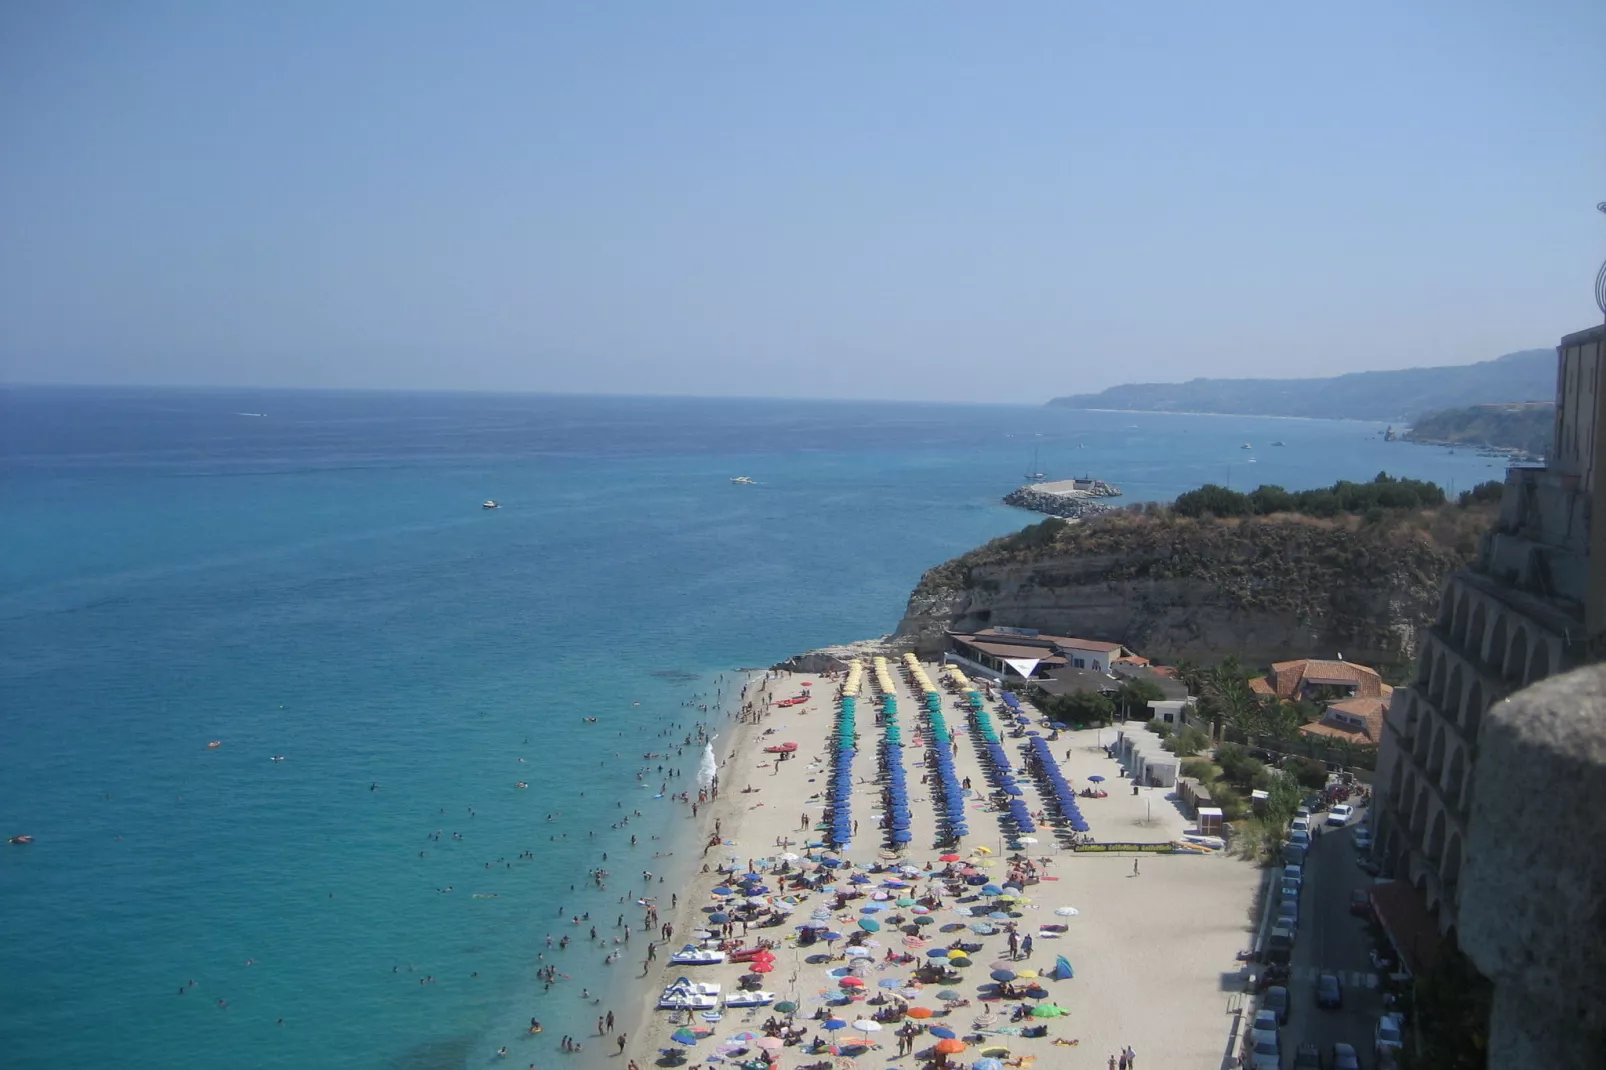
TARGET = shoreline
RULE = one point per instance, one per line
(637, 992)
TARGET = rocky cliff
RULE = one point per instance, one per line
(1264, 589)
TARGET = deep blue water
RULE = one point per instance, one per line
(321, 583)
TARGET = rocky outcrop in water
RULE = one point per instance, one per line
(1264, 589)
(1067, 506)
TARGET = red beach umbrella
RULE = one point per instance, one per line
(851, 982)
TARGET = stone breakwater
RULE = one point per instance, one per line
(1071, 506)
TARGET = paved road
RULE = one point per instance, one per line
(1332, 940)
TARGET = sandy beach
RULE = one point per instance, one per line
(1152, 942)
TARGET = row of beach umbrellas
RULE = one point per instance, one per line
(840, 797)
(951, 817)
(895, 791)
(1002, 773)
(1064, 796)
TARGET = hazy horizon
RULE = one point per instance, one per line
(913, 202)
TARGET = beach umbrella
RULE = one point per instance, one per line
(1003, 975)
(949, 993)
(950, 1046)
(1096, 779)
(790, 857)
(948, 858)
(925, 919)
(856, 952)
(991, 889)
(889, 982)
(905, 901)
(786, 1006)
(719, 917)
(1048, 1010)
(770, 1043)
(833, 1024)
(942, 1032)
(1028, 839)
(1067, 912)
(722, 890)
(920, 1012)
(1001, 964)
(870, 925)
(851, 982)
(937, 953)
(987, 1064)
(1026, 975)
(956, 953)
(867, 1025)
(960, 962)
(742, 1038)
(762, 967)
(997, 1051)
(998, 915)
(684, 1036)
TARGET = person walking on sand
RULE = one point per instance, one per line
(1026, 947)
(621, 1043)
(1122, 1061)
(1112, 1062)
(1134, 867)
(1131, 1058)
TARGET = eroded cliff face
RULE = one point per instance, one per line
(1264, 590)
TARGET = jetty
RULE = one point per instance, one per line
(1071, 499)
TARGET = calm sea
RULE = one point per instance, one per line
(319, 582)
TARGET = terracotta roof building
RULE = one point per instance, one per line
(1309, 678)
(1359, 720)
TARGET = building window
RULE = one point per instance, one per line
(1079, 663)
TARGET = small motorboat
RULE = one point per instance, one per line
(781, 748)
(214, 744)
(491, 503)
(1246, 446)
(743, 481)
(20, 839)
(692, 955)
(750, 999)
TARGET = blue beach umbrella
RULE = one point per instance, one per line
(943, 1032)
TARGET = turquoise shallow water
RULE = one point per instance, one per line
(320, 583)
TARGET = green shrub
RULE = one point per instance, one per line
(1191, 740)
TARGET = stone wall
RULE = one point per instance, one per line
(1533, 902)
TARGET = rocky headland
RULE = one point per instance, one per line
(1262, 588)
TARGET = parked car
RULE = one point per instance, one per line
(1294, 872)
(1276, 1001)
(1363, 838)
(1307, 1057)
(1390, 1034)
(1339, 815)
(1294, 855)
(1329, 991)
(1299, 824)
(1345, 1057)
(1279, 944)
(1290, 889)
(1299, 837)
(1368, 864)
(1288, 913)
(1264, 1025)
(1360, 903)
(1264, 1053)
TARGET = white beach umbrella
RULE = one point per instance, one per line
(1067, 912)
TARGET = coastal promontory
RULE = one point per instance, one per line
(1263, 587)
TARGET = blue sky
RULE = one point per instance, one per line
(902, 200)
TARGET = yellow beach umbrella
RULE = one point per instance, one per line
(956, 953)
(983, 850)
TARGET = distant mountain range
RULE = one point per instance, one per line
(1399, 396)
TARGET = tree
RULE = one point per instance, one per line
(1236, 764)
(1081, 707)
(1281, 720)
(1134, 697)
(1188, 742)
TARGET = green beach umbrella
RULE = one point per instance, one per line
(1048, 1010)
